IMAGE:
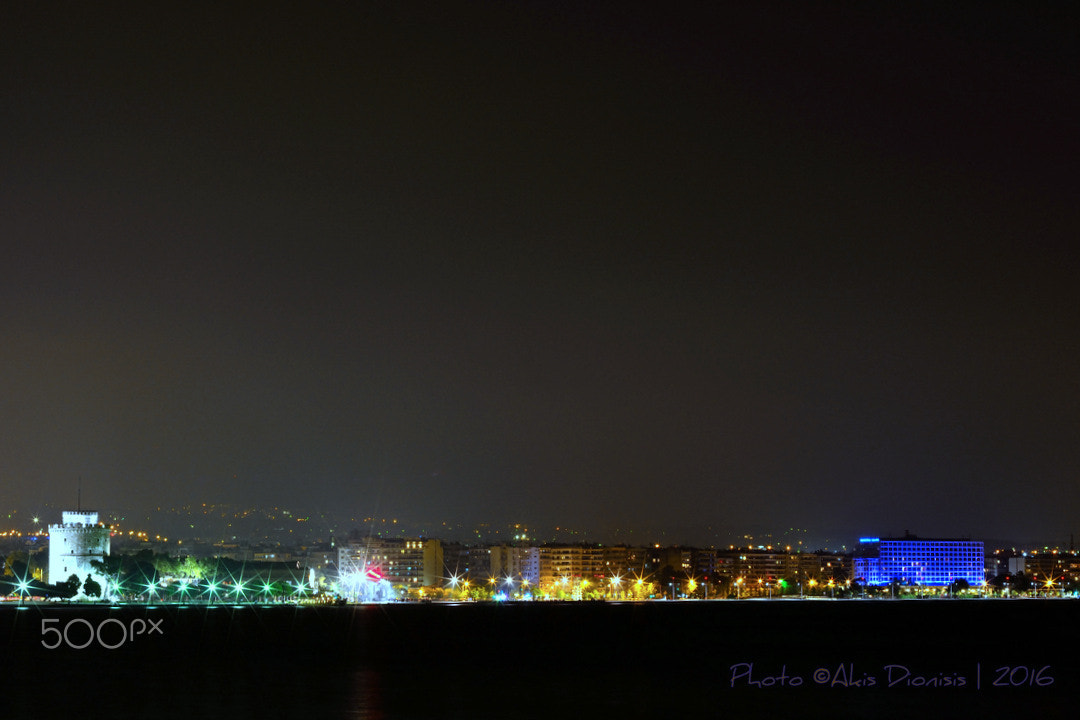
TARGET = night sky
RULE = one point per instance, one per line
(738, 269)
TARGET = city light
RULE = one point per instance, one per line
(915, 561)
(394, 569)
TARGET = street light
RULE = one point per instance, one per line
(24, 588)
(238, 590)
(211, 590)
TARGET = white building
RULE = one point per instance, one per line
(73, 544)
(406, 562)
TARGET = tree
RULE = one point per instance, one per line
(668, 582)
(196, 568)
(958, 586)
(109, 565)
(17, 564)
(91, 588)
(1020, 582)
(111, 568)
(68, 588)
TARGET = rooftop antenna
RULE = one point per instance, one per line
(78, 497)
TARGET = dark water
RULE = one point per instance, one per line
(805, 659)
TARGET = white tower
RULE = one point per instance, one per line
(73, 544)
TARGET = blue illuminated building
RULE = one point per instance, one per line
(916, 561)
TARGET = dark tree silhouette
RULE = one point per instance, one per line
(91, 588)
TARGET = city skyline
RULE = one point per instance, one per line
(227, 525)
(586, 267)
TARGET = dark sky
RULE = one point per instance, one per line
(742, 267)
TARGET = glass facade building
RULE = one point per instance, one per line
(916, 561)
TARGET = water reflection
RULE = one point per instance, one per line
(401, 663)
(364, 701)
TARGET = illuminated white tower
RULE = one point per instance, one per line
(75, 542)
